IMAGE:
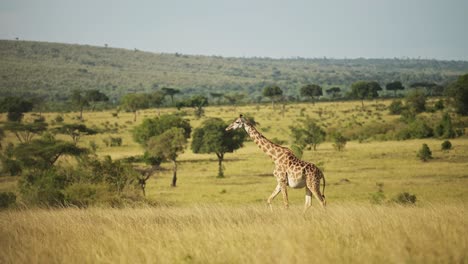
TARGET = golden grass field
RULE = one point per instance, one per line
(211, 220)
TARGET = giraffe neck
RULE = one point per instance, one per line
(271, 149)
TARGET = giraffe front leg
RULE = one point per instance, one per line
(273, 195)
(284, 191)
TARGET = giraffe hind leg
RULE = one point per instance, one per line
(314, 187)
(308, 199)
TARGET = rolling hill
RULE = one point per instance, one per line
(53, 70)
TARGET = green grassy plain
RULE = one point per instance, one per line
(211, 220)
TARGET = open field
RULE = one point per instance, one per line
(210, 220)
(343, 233)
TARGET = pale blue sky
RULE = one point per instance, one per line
(279, 29)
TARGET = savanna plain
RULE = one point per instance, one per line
(206, 219)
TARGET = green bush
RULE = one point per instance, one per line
(86, 194)
(7, 199)
(115, 141)
(378, 197)
(425, 153)
(43, 188)
(396, 107)
(446, 145)
(339, 141)
(405, 198)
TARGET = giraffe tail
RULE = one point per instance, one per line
(323, 190)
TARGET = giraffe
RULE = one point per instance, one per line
(289, 170)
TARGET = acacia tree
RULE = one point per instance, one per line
(79, 101)
(308, 133)
(333, 92)
(41, 154)
(171, 92)
(365, 90)
(75, 131)
(394, 86)
(273, 92)
(134, 102)
(458, 94)
(312, 91)
(95, 96)
(212, 137)
(25, 132)
(169, 145)
(15, 107)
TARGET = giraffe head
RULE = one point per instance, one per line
(239, 122)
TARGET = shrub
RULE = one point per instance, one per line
(416, 129)
(11, 166)
(439, 105)
(416, 101)
(396, 107)
(445, 129)
(339, 141)
(379, 196)
(405, 198)
(446, 145)
(7, 199)
(58, 119)
(43, 188)
(115, 141)
(425, 153)
(85, 194)
(297, 150)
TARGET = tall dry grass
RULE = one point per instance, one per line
(342, 233)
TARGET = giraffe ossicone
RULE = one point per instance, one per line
(289, 170)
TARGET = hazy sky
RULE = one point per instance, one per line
(280, 29)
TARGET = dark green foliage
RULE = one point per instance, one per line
(151, 127)
(115, 141)
(416, 101)
(365, 90)
(171, 92)
(7, 199)
(41, 154)
(439, 105)
(425, 153)
(273, 92)
(446, 145)
(168, 146)
(135, 102)
(396, 107)
(417, 128)
(297, 150)
(311, 90)
(15, 107)
(198, 102)
(445, 129)
(333, 92)
(25, 132)
(43, 187)
(394, 86)
(75, 131)
(308, 133)
(339, 141)
(405, 198)
(458, 93)
(10, 166)
(212, 137)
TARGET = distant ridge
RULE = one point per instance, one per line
(53, 70)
